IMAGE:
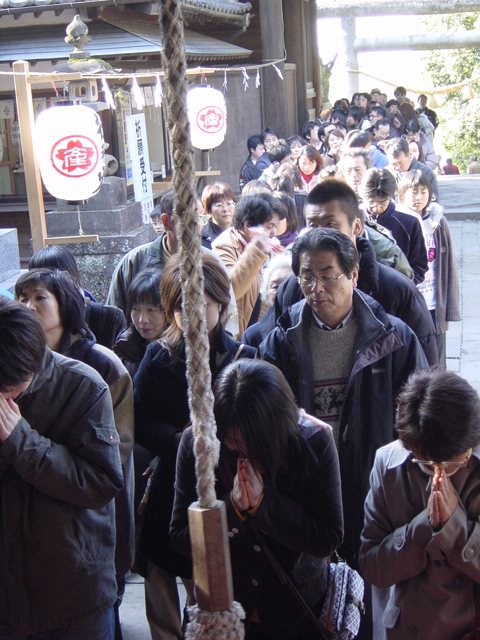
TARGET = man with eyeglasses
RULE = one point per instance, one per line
(332, 204)
(422, 533)
(345, 359)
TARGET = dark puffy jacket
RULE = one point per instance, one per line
(59, 472)
(394, 291)
(407, 231)
(386, 354)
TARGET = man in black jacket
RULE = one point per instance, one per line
(345, 360)
(60, 469)
(332, 204)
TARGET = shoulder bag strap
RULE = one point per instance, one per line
(286, 580)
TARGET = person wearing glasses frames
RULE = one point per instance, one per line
(345, 359)
(218, 202)
(333, 204)
(422, 533)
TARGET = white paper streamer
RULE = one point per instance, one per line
(108, 94)
(225, 82)
(137, 95)
(158, 93)
(257, 78)
(246, 78)
(278, 71)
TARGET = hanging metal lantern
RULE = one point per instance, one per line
(70, 149)
(207, 115)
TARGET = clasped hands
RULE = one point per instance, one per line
(247, 489)
(443, 500)
(9, 417)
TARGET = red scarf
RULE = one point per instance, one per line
(306, 178)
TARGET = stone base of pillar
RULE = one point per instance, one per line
(118, 223)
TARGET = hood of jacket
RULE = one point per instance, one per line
(434, 215)
(130, 345)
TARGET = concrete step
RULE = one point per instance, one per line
(460, 196)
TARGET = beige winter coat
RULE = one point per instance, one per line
(244, 265)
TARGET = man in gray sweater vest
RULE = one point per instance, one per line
(345, 359)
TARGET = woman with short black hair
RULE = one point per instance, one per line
(421, 534)
(245, 248)
(105, 321)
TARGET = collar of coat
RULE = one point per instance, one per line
(50, 361)
(378, 336)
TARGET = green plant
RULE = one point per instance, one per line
(460, 113)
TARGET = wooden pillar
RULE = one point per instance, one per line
(26, 122)
(316, 67)
(348, 26)
(212, 571)
(274, 99)
(296, 42)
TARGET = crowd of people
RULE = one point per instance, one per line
(330, 280)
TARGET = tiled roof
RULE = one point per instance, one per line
(227, 8)
(109, 40)
(220, 6)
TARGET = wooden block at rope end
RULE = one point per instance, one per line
(212, 572)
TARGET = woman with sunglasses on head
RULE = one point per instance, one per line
(422, 533)
(279, 477)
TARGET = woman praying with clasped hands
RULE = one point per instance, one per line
(278, 475)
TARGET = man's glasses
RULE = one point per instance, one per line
(310, 282)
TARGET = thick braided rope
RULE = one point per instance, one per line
(216, 625)
(203, 625)
(200, 396)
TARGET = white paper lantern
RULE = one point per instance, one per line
(207, 114)
(70, 151)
